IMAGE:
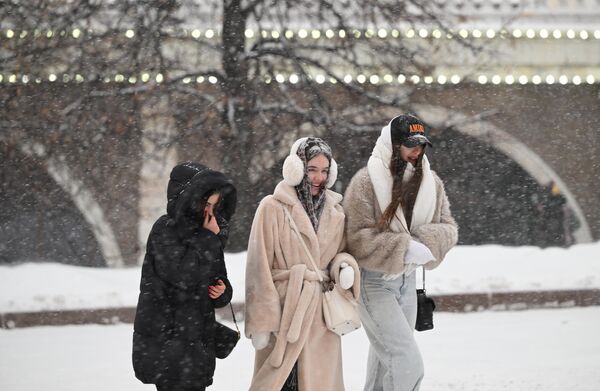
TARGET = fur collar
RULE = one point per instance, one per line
(328, 223)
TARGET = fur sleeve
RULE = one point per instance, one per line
(439, 237)
(376, 250)
(263, 308)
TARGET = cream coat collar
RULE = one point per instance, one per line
(329, 221)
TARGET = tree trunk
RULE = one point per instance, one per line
(236, 116)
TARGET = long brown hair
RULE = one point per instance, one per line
(402, 194)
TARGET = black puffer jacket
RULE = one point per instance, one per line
(173, 341)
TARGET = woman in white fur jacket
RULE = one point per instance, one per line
(398, 218)
(284, 315)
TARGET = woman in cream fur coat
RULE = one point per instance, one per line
(398, 218)
(284, 316)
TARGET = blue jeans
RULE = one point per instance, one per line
(388, 311)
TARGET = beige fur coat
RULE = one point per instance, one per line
(284, 296)
(384, 251)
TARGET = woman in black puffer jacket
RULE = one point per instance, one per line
(183, 280)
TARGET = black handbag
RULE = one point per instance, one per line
(425, 308)
(226, 338)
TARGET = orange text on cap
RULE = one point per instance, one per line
(416, 128)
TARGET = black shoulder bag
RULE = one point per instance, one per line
(425, 308)
(226, 338)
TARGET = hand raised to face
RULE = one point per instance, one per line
(210, 221)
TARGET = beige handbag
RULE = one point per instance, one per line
(339, 310)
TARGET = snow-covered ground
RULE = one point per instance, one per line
(467, 269)
(547, 350)
(552, 349)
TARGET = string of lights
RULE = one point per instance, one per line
(318, 78)
(317, 34)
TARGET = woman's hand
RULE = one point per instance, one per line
(215, 291)
(210, 223)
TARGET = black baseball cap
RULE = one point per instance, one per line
(409, 131)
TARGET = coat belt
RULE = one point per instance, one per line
(303, 289)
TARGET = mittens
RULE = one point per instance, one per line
(346, 278)
(260, 340)
(418, 253)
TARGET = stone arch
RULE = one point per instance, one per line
(84, 200)
(531, 162)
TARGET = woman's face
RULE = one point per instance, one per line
(411, 155)
(317, 170)
(211, 204)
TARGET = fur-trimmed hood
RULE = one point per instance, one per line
(189, 185)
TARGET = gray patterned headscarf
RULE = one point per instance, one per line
(310, 148)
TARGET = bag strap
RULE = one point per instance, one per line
(423, 267)
(295, 229)
(234, 320)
